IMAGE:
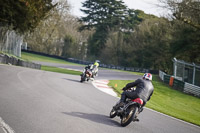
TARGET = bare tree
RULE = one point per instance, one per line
(187, 11)
(49, 36)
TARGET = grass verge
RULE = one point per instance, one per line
(35, 57)
(60, 70)
(168, 101)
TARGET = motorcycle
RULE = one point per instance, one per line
(86, 75)
(129, 112)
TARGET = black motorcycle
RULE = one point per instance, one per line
(129, 112)
(86, 75)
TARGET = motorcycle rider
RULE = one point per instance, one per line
(89, 66)
(144, 90)
(95, 68)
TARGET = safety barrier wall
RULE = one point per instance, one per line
(161, 74)
(5, 59)
(192, 89)
(166, 79)
(179, 85)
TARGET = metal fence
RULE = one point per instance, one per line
(10, 42)
(187, 72)
(180, 85)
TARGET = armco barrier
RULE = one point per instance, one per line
(178, 85)
(5, 59)
(161, 75)
(2, 59)
(192, 89)
(166, 79)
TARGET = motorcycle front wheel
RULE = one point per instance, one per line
(113, 113)
(82, 79)
(128, 118)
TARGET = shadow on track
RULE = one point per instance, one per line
(77, 80)
(72, 80)
(98, 118)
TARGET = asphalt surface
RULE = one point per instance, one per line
(35, 101)
(103, 73)
(1, 130)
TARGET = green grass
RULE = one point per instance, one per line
(60, 70)
(169, 101)
(135, 73)
(35, 57)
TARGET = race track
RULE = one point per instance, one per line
(36, 101)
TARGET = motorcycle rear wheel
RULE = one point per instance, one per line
(127, 119)
(113, 113)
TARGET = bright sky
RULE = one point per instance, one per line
(148, 6)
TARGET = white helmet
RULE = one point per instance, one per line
(147, 76)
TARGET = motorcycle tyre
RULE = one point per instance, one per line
(133, 112)
(113, 113)
(82, 79)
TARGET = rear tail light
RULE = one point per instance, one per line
(138, 100)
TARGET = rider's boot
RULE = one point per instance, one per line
(136, 119)
(140, 109)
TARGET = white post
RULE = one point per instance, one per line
(175, 67)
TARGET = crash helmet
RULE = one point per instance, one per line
(96, 63)
(147, 76)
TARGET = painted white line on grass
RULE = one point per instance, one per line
(6, 128)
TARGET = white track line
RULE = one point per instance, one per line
(173, 118)
(6, 128)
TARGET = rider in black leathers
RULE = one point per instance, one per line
(144, 90)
